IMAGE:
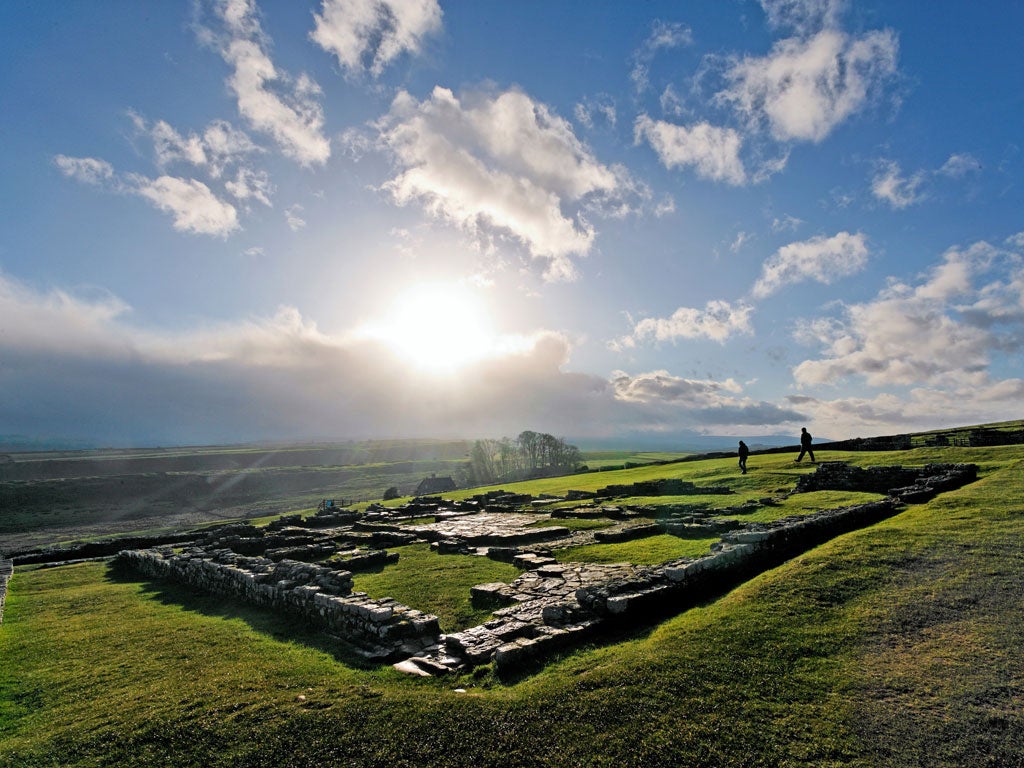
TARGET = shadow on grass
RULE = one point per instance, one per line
(273, 624)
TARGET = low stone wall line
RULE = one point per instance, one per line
(382, 630)
(6, 572)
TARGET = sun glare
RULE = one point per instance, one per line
(439, 328)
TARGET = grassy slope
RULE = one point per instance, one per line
(896, 645)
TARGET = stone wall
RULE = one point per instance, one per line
(910, 484)
(553, 605)
(661, 487)
(379, 629)
(6, 571)
(559, 605)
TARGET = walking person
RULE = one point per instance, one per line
(744, 452)
(805, 445)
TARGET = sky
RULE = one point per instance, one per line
(240, 220)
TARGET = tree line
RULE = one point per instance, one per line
(531, 454)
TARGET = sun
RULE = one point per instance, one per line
(438, 328)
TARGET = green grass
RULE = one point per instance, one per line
(599, 459)
(437, 584)
(648, 551)
(897, 645)
(807, 503)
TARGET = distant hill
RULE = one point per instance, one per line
(21, 443)
(684, 443)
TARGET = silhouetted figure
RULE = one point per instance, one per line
(744, 452)
(805, 445)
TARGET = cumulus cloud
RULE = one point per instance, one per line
(194, 207)
(919, 409)
(368, 35)
(76, 362)
(285, 108)
(940, 331)
(220, 144)
(664, 36)
(805, 87)
(58, 321)
(89, 170)
(890, 185)
(501, 163)
(709, 403)
(824, 259)
(718, 321)
(251, 185)
(713, 152)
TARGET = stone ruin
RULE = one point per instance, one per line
(304, 567)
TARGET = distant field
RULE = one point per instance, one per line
(50, 498)
(897, 645)
(600, 459)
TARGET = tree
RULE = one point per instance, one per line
(529, 455)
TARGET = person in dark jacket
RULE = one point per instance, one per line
(805, 445)
(744, 452)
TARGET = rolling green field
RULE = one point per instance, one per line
(895, 645)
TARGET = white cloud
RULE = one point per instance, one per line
(58, 321)
(194, 207)
(295, 221)
(707, 402)
(367, 35)
(920, 409)
(959, 165)
(938, 332)
(664, 36)
(671, 102)
(220, 145)
(805, 88)
(741, 239)
(89, 170)
(71, 361)
(718, 321)
(665, 207)
(786, 223)
(503, 162)
(253, 185)
(820, 258)
(602, 106)
(713, 152)
(291, 114)
(803, 16)
(897, 190)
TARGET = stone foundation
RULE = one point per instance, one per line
(911, 484)
(552, 605)
(383, 630)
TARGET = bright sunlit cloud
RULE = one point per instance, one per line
(441, 328)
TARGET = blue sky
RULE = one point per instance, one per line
(236, 220)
